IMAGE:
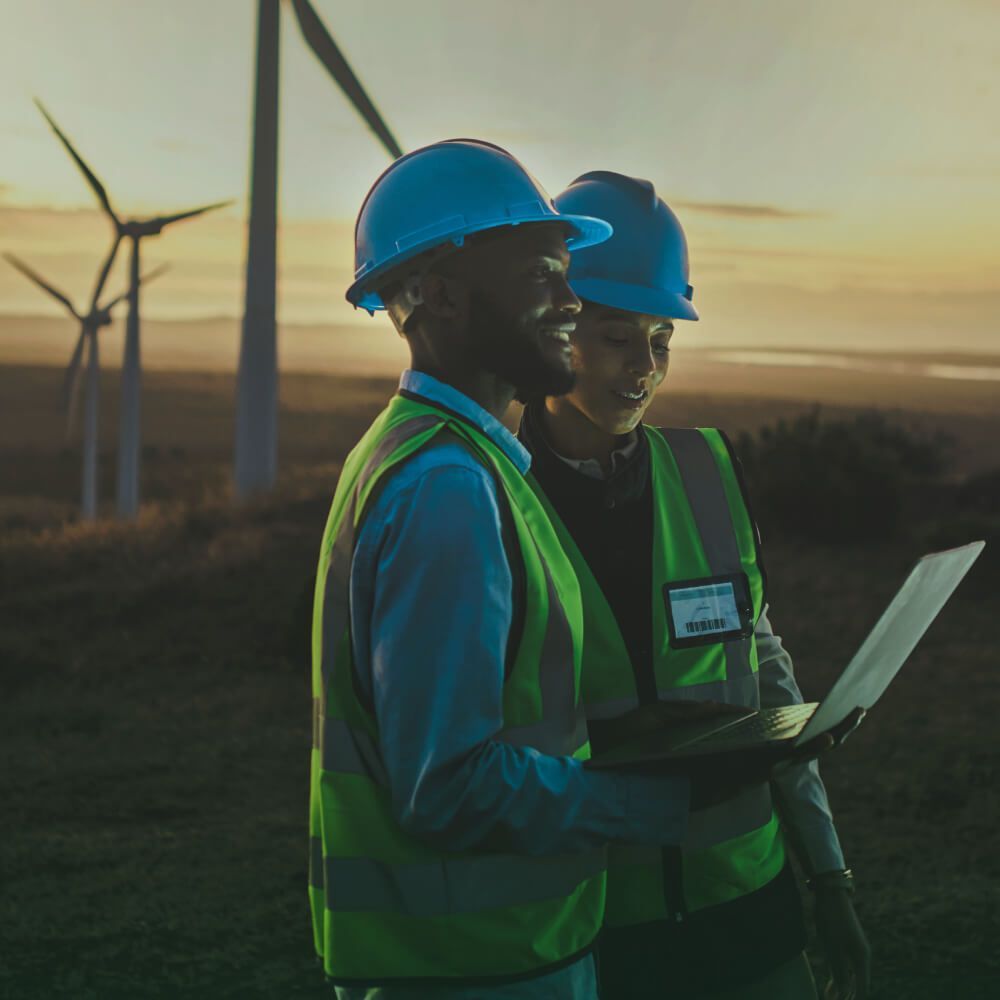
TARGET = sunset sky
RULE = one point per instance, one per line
(836, 165)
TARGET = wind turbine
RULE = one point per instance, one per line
(134, 230)
(256, 457)
(91, 324)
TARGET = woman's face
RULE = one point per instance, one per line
(620, 359)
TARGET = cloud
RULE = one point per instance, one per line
(37, 217)
(29, 222)
(736, 211)
(43, 213)
(944, 170)
(795, 253)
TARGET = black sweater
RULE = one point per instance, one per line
(611, 521)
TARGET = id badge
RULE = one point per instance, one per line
(713, 609)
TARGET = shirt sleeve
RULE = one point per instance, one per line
(798, 789)
(431, 610)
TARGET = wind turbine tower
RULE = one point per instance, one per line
(256, 455)
(91, 324)
(133, 230)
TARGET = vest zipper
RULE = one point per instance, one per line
(673, 885)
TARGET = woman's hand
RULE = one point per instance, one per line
(844, 944)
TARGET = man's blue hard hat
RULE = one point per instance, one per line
(644, 266)
(442, 193)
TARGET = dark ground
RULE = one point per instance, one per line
(155, 743)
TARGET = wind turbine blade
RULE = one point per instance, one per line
(98, 187)
(103, 276)
(328, 53)
(114, 302)
(144, 280)
(71, 383)
(38, 280)
(154, 274)
(165, 220)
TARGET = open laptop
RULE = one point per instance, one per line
(909, 614)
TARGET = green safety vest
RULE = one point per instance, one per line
(701, 530)
(386, 905)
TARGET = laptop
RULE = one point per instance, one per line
(916, 604)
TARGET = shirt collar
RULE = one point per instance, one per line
(592, 468)
(435, 391)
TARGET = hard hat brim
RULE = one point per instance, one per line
(584, 231)
(634, 298)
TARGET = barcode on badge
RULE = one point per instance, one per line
(706, 625)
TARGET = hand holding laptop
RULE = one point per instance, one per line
(844, 729)
(717, 777)
(771, 734)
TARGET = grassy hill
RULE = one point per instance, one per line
(156, 732)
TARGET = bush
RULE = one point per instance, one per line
(838, 480)
(981, 493)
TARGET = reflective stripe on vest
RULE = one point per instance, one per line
(387, 906)
(701, 529)
(465, 885)
(706, 494)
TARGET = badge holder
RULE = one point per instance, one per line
(708, 610)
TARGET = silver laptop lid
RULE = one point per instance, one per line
(916, 604)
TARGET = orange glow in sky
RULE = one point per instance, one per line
(836, 166)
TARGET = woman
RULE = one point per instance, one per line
(674, 589)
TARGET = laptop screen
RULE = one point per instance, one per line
(891, 641)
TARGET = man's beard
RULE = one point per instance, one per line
(512, 349)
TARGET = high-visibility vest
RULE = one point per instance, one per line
(385, 905)
(702, 531)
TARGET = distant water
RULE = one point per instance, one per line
(853, 362)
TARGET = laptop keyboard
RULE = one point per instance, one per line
(767, 724)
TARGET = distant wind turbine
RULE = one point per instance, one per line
(91, 324)
(133, 230)
(256, 458)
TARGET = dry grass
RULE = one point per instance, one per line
(914, 791)
(153, 765)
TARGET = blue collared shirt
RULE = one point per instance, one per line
(431, 609)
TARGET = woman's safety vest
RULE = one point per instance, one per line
(385, 905)
(708, 592)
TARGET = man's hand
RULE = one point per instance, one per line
(844, 944)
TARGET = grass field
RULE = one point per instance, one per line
(155, 742)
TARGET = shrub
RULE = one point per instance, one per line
(981, 493)
(838, 480)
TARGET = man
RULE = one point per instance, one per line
(457, 843)
(647, 516)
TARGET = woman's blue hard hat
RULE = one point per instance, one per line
(643, 267)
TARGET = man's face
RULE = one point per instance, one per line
(620, 359)
(522, 311)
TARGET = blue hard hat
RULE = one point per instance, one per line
(443, 193)
(644, 266)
